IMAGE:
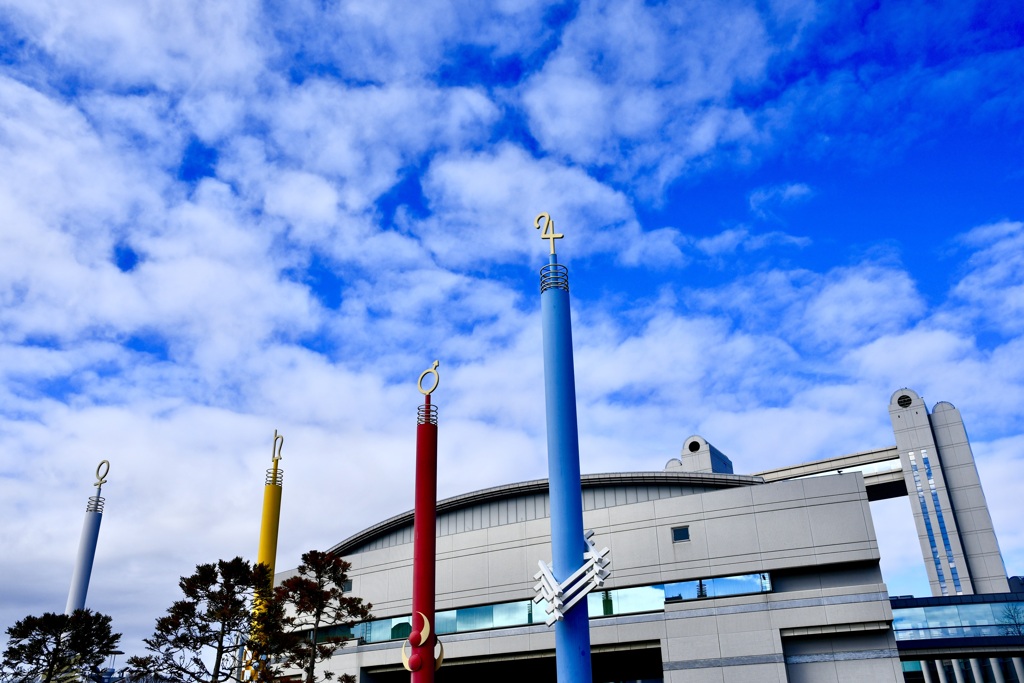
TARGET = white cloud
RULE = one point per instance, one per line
(991, 292)
(732, 240)
(389, 40)
(306, 201)
(763, 199)
(484, 206)
(364, 136)
(175, 47)
(644, 90)
(840, 309)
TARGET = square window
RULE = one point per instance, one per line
(680, 533)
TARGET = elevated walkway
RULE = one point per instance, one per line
(883, 473)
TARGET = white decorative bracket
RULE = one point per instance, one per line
(562, 596)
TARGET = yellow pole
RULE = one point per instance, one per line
(271, 509)
(267, 553)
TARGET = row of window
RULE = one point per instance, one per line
(525, 612)
(959, 621)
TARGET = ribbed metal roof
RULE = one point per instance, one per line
(666, 478)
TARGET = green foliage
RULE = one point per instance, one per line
(57, 646)
(316, 600)
(202, 637)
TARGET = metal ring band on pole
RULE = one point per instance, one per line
(426, 415)
(554, 276)
(275, 477)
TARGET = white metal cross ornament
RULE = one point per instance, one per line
(562, 596)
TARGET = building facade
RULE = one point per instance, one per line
(716, 577)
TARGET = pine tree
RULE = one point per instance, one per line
(202, 637)
(54, 646)
(316, 601)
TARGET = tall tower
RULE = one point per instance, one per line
(87, 544)
(568, 543)
(421, 662)
(954, 526)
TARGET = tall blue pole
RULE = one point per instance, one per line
(87, 544)
(572, 633)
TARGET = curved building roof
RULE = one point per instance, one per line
(523, 501)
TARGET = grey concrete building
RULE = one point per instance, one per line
(952, 518)
(716, 577)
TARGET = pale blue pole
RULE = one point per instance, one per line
(87, 544)
(572, 634)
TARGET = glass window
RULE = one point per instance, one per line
(641, 599)
(380, 630)
(680, 534)
(683, 590)
(512, 614)
(401, 630)
(626, 601)
(974, 615)
(599, 604)
(445, 621)
(909, 618)
(1010, 617)
(739, 585)
(944, 616)
(474, 618)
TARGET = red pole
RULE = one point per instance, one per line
(424, 550)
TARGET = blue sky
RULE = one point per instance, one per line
(221, 219)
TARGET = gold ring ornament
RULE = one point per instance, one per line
(437, 379)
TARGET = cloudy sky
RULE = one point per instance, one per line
(218, 219)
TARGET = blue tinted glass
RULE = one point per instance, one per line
(626, 601)
(971, 621)
(736, 585)
(909, 618)
(474, 618)
(684, 590)
(512, 614)
(445, 621)
(971, 615)
(946, 615)
(600, 604)
(642, 599)
(1010, 617)
(401, 630)
(381, 630)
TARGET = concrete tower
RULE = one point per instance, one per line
(954, 526)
